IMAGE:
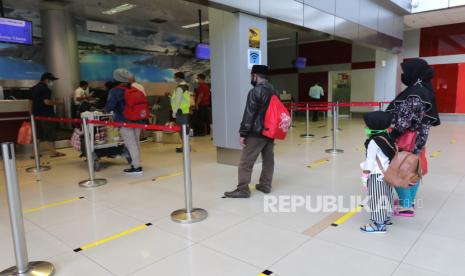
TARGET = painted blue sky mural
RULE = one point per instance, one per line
(152, 56)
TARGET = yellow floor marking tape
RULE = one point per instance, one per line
(119, 235)
(361, 148)
(163, 177)
(266, 273)
(318, 163)
(347, 216)
(252, 186)
(435, 153)
(27, 211)
(453, 141)
(319, 227)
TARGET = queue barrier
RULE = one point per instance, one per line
(186, 215)
(23, 266)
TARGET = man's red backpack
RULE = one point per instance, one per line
(136, 106)
(277, 120)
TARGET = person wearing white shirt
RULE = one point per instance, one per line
(380, 150)
(315, 93)
(81, 94)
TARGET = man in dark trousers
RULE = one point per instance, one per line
(252, 140)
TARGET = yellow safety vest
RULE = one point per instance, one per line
(185, 102)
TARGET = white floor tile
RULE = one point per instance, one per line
(199, 261)
(74, 264)
(136, 250)
(256, 243)
(92, 228)
(410, 270)
(318, 257)
(40, 245)
(216, 222)
(438, 254)
(393, 245)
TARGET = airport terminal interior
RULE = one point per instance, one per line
(342, 71)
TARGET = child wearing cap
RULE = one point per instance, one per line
(380, 149)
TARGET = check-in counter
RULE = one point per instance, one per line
(12, 114)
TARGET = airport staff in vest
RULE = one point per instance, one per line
(180, 101)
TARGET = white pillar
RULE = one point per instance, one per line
(61, 54)
(387, 76)
(229, 42)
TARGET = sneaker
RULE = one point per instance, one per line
(133, 170)
(374, 228)
(237, 194)
(262, 188)
(388, 222)
(402, 212)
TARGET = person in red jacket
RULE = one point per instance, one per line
(202, 104)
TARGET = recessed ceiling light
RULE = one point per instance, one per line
(120, 8)
(278, 39)
(194, 25)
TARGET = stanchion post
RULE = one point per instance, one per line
(189, 214)
(337, 116)
(92, 182)
(292, 116)
(307, 124)
(23, 266)
(334, 150)
(35, 144)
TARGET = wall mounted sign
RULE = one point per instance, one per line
(254, 38)
(254, 57)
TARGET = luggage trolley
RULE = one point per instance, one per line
(105, 140)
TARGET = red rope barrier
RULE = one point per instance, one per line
(56, 119)
(130, 125)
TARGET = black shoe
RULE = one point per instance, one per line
(144, 140)
(237, 194)
(178, 150)
(263, 189)
(133, 170)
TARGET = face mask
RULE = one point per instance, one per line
(253, 81)
(50, 84)
(370, 132)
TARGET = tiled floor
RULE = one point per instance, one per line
(239, 238)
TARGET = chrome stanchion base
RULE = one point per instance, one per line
(92, 184)
(334, 151)
(35, 268)
(182, 216)
(307, 135)
(35, 170)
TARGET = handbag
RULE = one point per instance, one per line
(404, 169)
(25, 134)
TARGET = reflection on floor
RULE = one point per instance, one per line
(239, 238)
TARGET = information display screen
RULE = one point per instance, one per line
(202, 51)
(300, 62)
(15, 31)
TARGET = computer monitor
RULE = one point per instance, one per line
(300, 62)
(15, 31)
(202, 51)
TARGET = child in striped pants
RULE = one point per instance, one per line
(380, 150)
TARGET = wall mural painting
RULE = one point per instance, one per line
(152, 56)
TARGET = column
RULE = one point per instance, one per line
(61, 54)
(229, 43)
(387, 76)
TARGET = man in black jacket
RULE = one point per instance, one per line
(252, 140)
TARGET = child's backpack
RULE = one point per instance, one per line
(136, 106)
(277, 120)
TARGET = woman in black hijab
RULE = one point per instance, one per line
(414, 109)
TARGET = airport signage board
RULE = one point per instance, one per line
(15, 31)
